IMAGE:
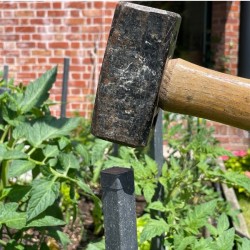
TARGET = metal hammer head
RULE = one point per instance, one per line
(140, 42)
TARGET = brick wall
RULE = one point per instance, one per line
(225, 41)
(34, 36)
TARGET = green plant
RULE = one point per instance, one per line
(35, 143)
(189, 203)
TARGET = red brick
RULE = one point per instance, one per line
(29, 75)
(76, 76)
(57, 13)
(6, 21)
(74, 21)
(98, 20)
(8, 5)
(56, 21)
(10, 60)
(75, 13)
(46, 37)
(41, 45)
(9, 37)
(75, 45)
(76, 5)
(25, 37)
(27, 29)
(74, 29)
(77, 68)
(41, 5)
(24, 13)
(22, 5)
(99, 5)
(8, 29)
(57, 5)
(10, 53)
(56, 60)
(41, 60)
(22, 45)
(40, 13)
(58, 45)
(41, 53)
(71, 53)
(73, 37)
(41, 21)
(25, 68)
(111, 5)
(92, 13)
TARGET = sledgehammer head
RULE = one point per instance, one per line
(140, 42)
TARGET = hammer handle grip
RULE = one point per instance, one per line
(190, 89)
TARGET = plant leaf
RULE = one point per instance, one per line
(6, 154)
(50, 151)
(225, 241)
(68, 161)
(19, 167)
(45, 129)
(84, 187)
(181, 243)
(157, 205)
(149, 191)
(37, 92)
(223, 224)
(99, 245)
(153, 228)
(83, 152)
(45, 221)
(10, 217)
(43, 194)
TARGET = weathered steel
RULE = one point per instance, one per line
(140, 41)
(119, 209)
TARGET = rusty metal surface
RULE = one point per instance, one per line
(140, 41)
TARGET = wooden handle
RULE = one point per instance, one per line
(190, 89)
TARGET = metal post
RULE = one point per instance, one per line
(156, 152)
(65, 87)
(5, 73)
(119, 209)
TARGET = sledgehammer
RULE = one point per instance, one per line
(138, 75)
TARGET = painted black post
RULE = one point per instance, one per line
(65, 87)
(5, 73)
(156, 152)
(119, 208)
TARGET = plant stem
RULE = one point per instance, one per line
(3, 175)
(31, 151)
(5, 133)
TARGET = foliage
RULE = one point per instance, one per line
(239, 164)
(189, 204)
(36, 144)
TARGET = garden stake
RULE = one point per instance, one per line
(119, 208)
(65, 87)
(136, 73)
(5, 73)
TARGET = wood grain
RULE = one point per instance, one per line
(190, 89)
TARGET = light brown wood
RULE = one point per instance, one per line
(190, 89)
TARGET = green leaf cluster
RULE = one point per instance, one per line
(36, 145)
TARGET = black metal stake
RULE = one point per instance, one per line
(5, 73)
(65, 87)
(156, 152)
(119, 209)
